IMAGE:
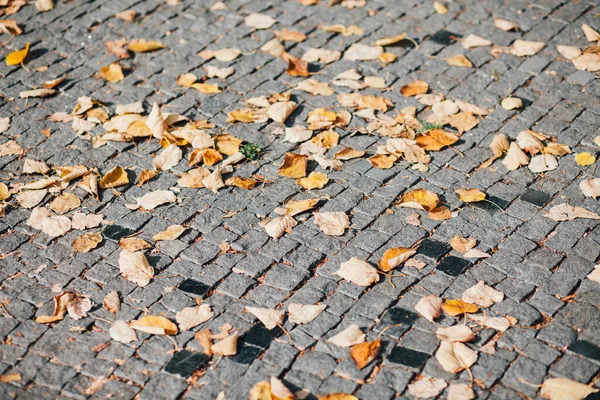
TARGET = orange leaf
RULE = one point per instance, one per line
(364, 353)
(458, 307)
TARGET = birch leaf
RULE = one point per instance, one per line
(427, 387)
(350, 336)
(482, 295)
(56, 226)
(190, 317)
(135, 267)
(455, 356)
(359, 272)
(456, 333)
(278, 226)
(269, 318)
(430, 307)
(565, 389)
(303, 314)
(171, 233)
(590, 187)
(122, 332)
(168, 158)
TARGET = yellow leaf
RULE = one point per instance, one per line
(17, 57)
(211, 156)
(328, 139)
(414, 88)
(146, 175)
(387, 58)
(86, 242)
(112, 73)
(420, 199)
(10, 378)
(296, 66)
(348, 153)
(389, 40)
(440, 213)
(244, 183)
(4, 193)
(338, 396)
(133, 244)
(316, 180)
(186, 80)
(436, 139)
(294, 165)
(114, 178)
(245, 115)
(143, 45)
(206, 88)
(459, 60)
(382, 161)
(585, 159)
(457, 307)
(470, 195)
(227, 144)
(394, 257)
(364, 353)
(155, 325)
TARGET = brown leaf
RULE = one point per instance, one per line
(436, 139)
(7, 378)
(133, 244)
(421, 199)
(414, 88)
(364, 353)
(155, 325)
(87, 242)
(114, 178)
(117, 47)
(394, 257)
(458, 307)
(294, 165)
(296, 66)
(10, 27)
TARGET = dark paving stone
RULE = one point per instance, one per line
(492, 205)
(536, 197)
(184, 363)
(586, 349)
(408, 357)
(445, 38)
(453, 266)
(116, 232)
(433, 249)
(260, 336)
(246, 354)
(194, 287)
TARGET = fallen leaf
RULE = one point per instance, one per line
(214, 181)
(83, 221)
(498, 323)
(414, 88)
(316, 180)
(515, 157)
(345, 31)
(332, 223)
(222, 73)
(420, 199)
(226, 346)
(382, 161)
(35, 167)
(460, 391)
(304, 313)
(117, 48)
(7, 378)
(56, 226)
(364, 353)
(206, 88)
(61, 302)
(505, 25)
(462, 121)
(36, 93)
(585, 159)
(436, 139)
(315, 87)
(524, 48)
(510, 103)
(595, 274)
(455, 356)
(459, 60)
(290, 36)
(155, 325)
(294, 165)
(461, 244)
(10, 27)
(363, 52)
(394, 257)
(31, 198)
(357, 271)
(587, 62)
(321, 55)
(427, 387)
(133, 244)
(482, 295)
(17, 57)
(171, 233)
(151, 200)
(389, 40)
(470, 195)
(143, 45)
(429, 307)
(79, 306)
(187, 79)
(274, 47)
(568, 52)
(296, 66)
(543, 163)
(190, 317)
(269, 318)
(350, 336)
(565, 212)
(472, 41)
(116, 177)
(590, 187)
(135, 267)
(456, 333)
(281, 110)
(259, 21)
(349, 153)
(243, 183)
(112, 73)
(440, 8)
(529, 143)
(156, 122)
(112, 302)
(44, 5)
(278, 226)
(87, 242)
(122, 332)
(458, 307)
(565, 389)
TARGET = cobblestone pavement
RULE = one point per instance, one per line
(538, 263)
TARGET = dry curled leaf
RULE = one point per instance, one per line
(143, 45)
(429, 307)
(133, 244)
(61, 302)
(590, 187)
(296, 66)
(363, 52)
(316, 180)
(135, 267)
(459, 60)
(114, 178)
(259, 21)
(364, 353)
(87, 242)
(7, 378)
(515, 157)
(420, 199)
(461, 244)
(472, 41)
(359, 272)
(382, 161)
(436, 139)
(294, 165)
(190, 317)
(171, 233)
(278, 226)
(304, 313)
(350, 336)
(456, 333)
(151, 200)
(470, 195)
(414, 88)
(455, 356)
(56, 226)
(332, 223)
(394, 257)
(270, 318)
(155, 325)
(122, 332)
(458, 307)
(482, 295)
(543, 163)
(505, 25)
(112, 302)
(168, 158)
(565, 212)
